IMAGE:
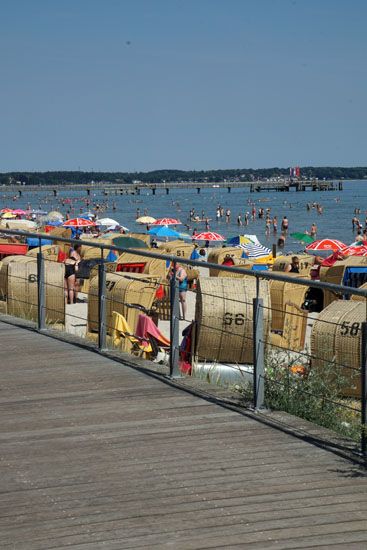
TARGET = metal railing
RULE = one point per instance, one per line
(286, 374)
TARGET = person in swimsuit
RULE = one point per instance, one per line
(285, 224)
(294, 266)
(181, 277)
(71, 268)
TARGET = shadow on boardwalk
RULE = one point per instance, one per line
(98, 455)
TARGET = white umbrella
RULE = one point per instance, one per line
(145, 220)
(114, 227)
(106, 221)
(52, 216)
(255, 250)
(110, 224)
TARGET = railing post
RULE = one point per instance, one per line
(41, 302)
(101, 306)
(174, 370)
(258, 349)
(364, 391)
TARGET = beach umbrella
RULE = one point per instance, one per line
(208, 236)
(114, 228)
(358, 243)
(106, 221)
(8, 215)
(255, 250)
(164, 231)
(327, 245)
(239, 239)
(303, 237)
(145, 220)
(111, 224)
(355, 250)
(5, 210)
(128, 242)
(19, 212)
(78, 222)
(53, 216)
(252, 238)
(166, 221)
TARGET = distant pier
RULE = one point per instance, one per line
(279, 185)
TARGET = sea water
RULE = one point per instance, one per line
(335, 221)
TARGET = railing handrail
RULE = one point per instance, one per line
(266, 275)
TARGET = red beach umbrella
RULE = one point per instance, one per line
(325, 245)
(5, 210)
(166, 221)
(208, 236)
(355, 251)
(78, 222)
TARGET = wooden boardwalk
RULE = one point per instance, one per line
(95, 454)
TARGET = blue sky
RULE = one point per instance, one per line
(190, 84)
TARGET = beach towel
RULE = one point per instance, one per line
(121, 329)
(147, 328)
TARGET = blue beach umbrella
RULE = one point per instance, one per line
(163, 231)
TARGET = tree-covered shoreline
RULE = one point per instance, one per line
(162, 176)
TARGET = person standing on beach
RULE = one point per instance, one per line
(293, 267)
(239, 220)
(275, 224)
(71, 283)
(267, 226)
(313, 231)
(246, 218)
(285, 224)
(181, 276)
(228, 215)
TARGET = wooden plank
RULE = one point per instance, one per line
(97, 454)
